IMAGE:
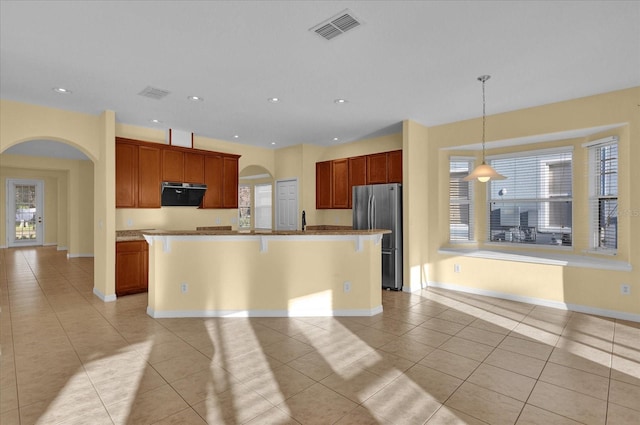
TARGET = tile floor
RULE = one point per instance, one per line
(436, 357)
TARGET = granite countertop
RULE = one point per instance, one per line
(138, 235)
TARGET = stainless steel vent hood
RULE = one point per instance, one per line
(182, 194)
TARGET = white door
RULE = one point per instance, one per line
(25, 224)
(287, 204)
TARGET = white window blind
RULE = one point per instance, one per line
(263, 206)
(603, 194)
(534, 205)
(460, 200)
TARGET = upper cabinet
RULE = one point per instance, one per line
(141, 167)
(126, 175)
(149, 177)
(335, 179)
(394, 167)
(324, 181)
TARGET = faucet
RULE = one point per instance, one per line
(304, 220)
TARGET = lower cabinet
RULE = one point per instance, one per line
(132, 267)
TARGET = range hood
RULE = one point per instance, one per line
(182, 194)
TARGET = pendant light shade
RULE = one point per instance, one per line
(484, 172)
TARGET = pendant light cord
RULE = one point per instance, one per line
(483, 79)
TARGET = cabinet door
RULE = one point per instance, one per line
(340, 179)
(193, 167)
(126, 175)
(172, 166)
(323, 184)
(230, 182)
(148, 177)
(131, 267)
(213, 180)
(377, 168)
(394, 166)
(357, 174)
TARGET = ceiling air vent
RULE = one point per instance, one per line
(339, 24)
(153, 93)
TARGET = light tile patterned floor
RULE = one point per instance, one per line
(436, 357)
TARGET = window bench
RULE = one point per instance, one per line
(556, 259)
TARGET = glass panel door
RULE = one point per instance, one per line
(24, 204)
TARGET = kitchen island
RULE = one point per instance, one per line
(260, 274)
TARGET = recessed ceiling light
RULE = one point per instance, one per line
(195, 98)
(235, 136)
(156, 121)
(335, 139)
(273, 100)
(273, 143)
(339, 101)
(61, 90)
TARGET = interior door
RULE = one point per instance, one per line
(287, 204)
(25, 223)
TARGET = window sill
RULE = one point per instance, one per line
(554, 259)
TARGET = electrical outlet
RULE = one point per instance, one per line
(456, 268)
(129, 222)
(346, 287)
(217, 220)
(184, 288)
(625, 289)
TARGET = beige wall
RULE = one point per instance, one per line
(426, 191)
(286, 277)
(597, 289)
(68, 198)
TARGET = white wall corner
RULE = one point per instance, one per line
(103, 297)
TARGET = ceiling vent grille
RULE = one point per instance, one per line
(337, 25)
(153, 93)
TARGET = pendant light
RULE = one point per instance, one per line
(484, 172)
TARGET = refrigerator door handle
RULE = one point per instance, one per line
(373, 211)
(369, 213)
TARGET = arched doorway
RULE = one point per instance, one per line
(62, 175)
(255, 198)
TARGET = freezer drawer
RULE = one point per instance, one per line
(391, 269)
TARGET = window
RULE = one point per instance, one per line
(244, 207)
(534, 205)
(460, 200)
(263, 206)
(603, 194)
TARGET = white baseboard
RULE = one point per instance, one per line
(3, 247)
(49, 244)
(79, 255)
(261, 313)
(103, 297)
(540, 301)
(63, 248)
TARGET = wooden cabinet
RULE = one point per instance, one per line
(229, 182)
(335, 179)
(377, 168)
(132, 267)
(323, 184)
(357, 174)
(213, 179)
(126, 175)
(149, 177)
(172, 165)
(221, 178)
(181, 167)
(394, 167)
(193, 167)
(141, 167)
(340, 192)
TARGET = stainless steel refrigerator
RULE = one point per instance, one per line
(379, 206)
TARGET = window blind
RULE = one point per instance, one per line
(534, 205)
(263, 206)
(460, 200)
(603, 194)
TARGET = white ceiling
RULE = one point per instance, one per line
(414, 60)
